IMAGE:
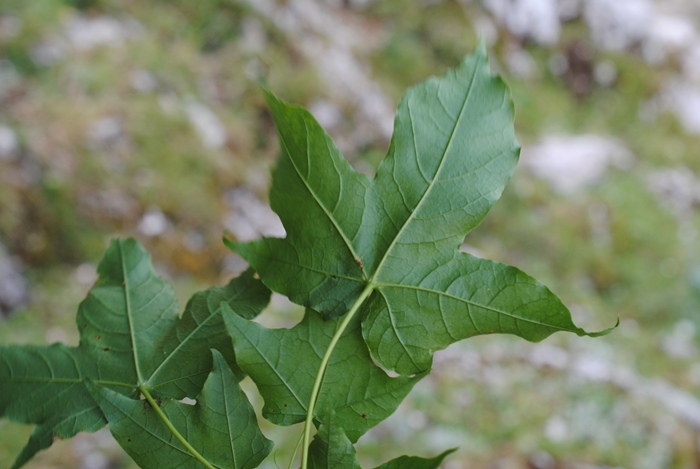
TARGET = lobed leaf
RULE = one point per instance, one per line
(283, 363)
(452, 152)
(221, 426)
(45, 385)
(331, 448)
(416, 462)
(130, 338)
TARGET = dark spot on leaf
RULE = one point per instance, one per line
(358, 261)
(106, 349)
(363, 415)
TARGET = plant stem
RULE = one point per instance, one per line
(173, 430)
(296, 450)
(322, 370)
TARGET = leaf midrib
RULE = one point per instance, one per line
(408, 221)
(470, 303)
(328, 214)
(270, 366)
(182, 344)
(129, 313)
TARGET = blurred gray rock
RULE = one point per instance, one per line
(153, 223)
(335, 42)
(14, 292)
(618, 24)
(9, 144)
(143, 81)
(105, 131)
(207, 124)
(248, 217)
(677, 188)
(528, 19)
(83, 33)
(571, 163)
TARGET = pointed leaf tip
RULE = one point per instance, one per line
(452, 153)
(602, 333)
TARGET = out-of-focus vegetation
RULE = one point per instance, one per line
(146, 119)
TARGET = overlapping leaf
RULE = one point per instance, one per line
(452, 152)
(283, 363)
(332, 449)
(416, 462)
(221, 426)
(130, 336)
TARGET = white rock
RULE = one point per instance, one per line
(9, 144)
(682, 98)
(10, 26)
(672, 32)
(533, 19)
(680, 342)
(333, 40)
(571, 163)
(207, 124)
(691, 62)
(143, 81)
(520, 63)
(249, 218)
(556, 429)
(85, 274)
(106, 130)
(253, 36)
(327, 113)
(153, 223)
(82, 33)
(85, 33)
(13, 286)
(618, 24)
(678, 188)
(9, 78)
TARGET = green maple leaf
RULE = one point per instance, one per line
(284, 362)
(388, 247)
(221, 426)
(131, 340)
(331, 448)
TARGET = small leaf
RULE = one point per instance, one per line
(283, 363)
(331, 448)
(44, 385)
(130, 336)
(416, 462)
(221, 426)
(202, 327)
(451, 155)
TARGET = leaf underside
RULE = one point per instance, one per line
(130, 336)
(283, 363)
(452, 152)
(331, 449)
(388, 245)
(221, 425)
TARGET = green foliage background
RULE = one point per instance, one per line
(495, 397)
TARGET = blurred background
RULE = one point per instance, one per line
(145, 119)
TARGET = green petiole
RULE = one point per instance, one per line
(322, 371)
